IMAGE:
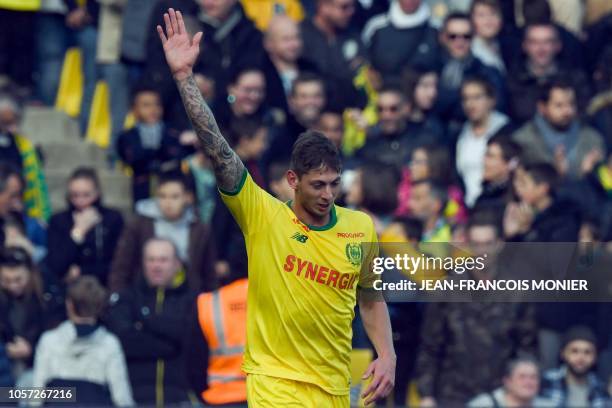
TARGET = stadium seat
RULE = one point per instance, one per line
(70, 91)
(100, 124)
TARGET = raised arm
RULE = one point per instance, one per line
(181, 54)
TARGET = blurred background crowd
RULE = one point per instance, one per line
(476, 121)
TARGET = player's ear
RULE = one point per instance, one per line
(293, 179)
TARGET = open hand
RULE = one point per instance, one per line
(181, 51)
(383, 372)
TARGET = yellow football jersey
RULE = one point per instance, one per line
(302, 287)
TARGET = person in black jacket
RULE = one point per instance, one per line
(230, 40)
(151, 320)
(458, 64)
(21, 309)
(401, 38)
(542, 215)
(82, 239)
(501, 158)
(149, 148)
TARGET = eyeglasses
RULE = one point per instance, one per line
(392, 108)
(456, 36)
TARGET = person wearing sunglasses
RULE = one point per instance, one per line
(459, 63)
(390, 141)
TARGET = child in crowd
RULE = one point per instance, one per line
(149, 147)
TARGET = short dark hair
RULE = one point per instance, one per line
(379, 183)
(87, 296)
(534, 24)
(456, 16)
(140, 89)
(537, 11)
(543, 173)
(305, 78)
(509, 148)
(439, 163)
(482, 81)
(88, 173)
(413, 227)
(15, 257)
(311, 151)
(436, 190)
(494, 4)
(556, 83)
(173, 177)
(485, 218)
(243, 128)
(277, 171)
(525, 359)
(393, 89)
(236, 72)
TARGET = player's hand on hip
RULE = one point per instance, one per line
(181, 50)
(382, 371)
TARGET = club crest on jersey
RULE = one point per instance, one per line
(300, 237)
(354, 253)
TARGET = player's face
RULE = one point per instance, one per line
(317, 190)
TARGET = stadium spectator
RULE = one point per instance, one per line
(420, 85)
(556, 135)
(81, 353)
(83, 238)
(541, 215)
(230, 40)
(216, 340)
(21, 308)
(6, 378)
(10, 194)
(199, 169)
(21, 152)
(400, 38)
(150, 147)
(456, 337)
(458, 64)
(542, 47)
(433, 162)
(478, 98)
(390, 141)
(283, 62)
(371, 194)
(306, 102)
(333, 48)
(331, 124)
(279, 186)
(151, 319)
(520, 388)
(246, 95)
(575, 383)
(426, 203)
(169, 215)
(500, 160)
(494, 41)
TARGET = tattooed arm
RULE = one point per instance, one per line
(181, 54)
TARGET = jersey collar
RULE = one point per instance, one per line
(333, 219)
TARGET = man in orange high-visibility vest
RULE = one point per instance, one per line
(220, 333)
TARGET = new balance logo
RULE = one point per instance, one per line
(299, 237)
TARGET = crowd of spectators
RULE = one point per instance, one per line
(478, 121)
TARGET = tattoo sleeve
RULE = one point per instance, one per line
(228, 166)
